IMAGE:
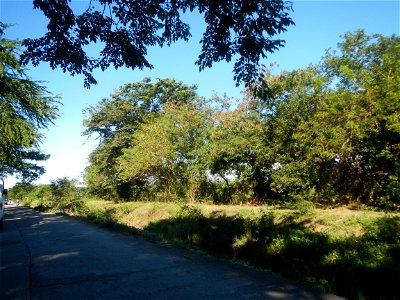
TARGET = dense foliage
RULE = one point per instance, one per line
(335, 128)
(116, 120)
(242, 30)
(328, 133)
(26, 107)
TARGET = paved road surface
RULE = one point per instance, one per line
(44, 256)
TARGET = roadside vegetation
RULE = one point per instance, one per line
(301, 176)
(328, 134)
(348, 251)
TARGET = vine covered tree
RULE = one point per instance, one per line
(26, 107)
(242, 30)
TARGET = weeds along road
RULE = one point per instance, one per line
(45, 256)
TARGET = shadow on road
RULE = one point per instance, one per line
(56, 257)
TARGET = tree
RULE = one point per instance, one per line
(21, 190)
(165, 152)
(234, 152)
(65, 194)
(116, 119)
(236, 29)
(369, 68)
(26, 107)
(293, 99)
(61, 194)
(41, 197)
(334, 128)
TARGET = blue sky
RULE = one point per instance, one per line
(319, 25)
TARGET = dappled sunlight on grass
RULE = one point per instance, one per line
(356, 266)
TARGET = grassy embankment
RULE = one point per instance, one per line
(351, 253)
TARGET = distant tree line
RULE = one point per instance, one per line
(62, 194)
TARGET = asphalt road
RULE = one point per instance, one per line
(45, 256)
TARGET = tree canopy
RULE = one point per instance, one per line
(242, 30)
(328, 133)
(26, 107)
(334, 128)
(116, 120)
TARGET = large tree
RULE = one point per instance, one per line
(116, 119)
(334, 128)
(165, 153)
(234, 154)
(26, 107)
(368, 69)
(242, 30)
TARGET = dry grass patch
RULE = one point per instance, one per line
(338, 222)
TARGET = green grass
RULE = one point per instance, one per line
(355, 254)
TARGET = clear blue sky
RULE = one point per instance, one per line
(319, 25)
